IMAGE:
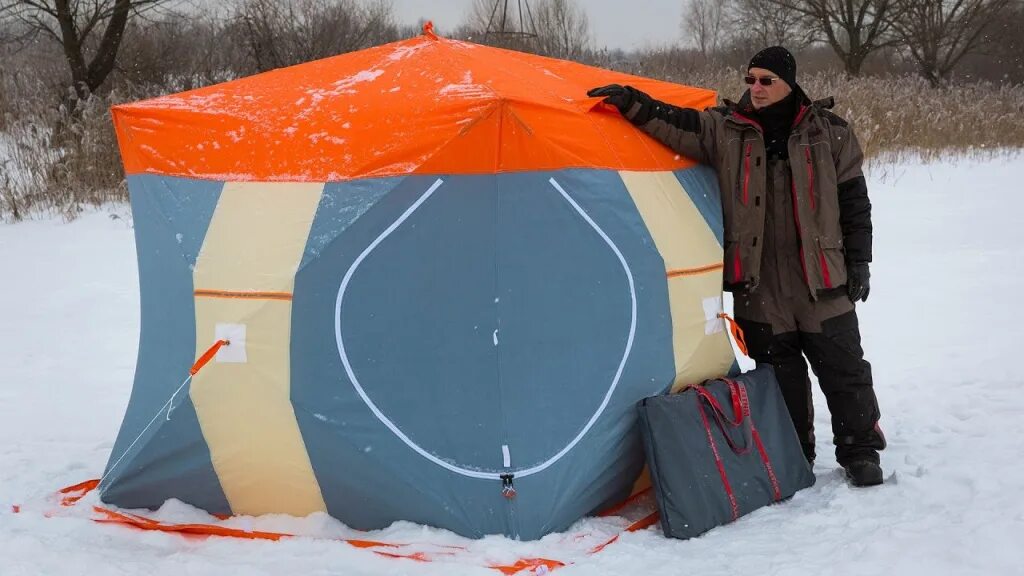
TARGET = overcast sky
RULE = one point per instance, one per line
(625, 24)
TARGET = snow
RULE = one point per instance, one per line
(407, 50)
(358, 78)
(466, 89)
(940, 328)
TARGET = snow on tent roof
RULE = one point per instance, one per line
(426, 105)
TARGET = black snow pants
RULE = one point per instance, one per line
(783, 324)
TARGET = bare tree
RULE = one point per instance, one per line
(558, 28)
(280, 33)
(757, 24)
(704, 23)
(505, 23)
(563, 29)
(939, 33)
(478, 15)
(853, 28)
(89, 33)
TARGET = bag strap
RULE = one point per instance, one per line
(756, 437)
(741, 414)
(734, 506)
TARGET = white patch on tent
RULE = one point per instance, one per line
(179, 237)
(395, 89)
(346, 125)
(291, 130)
(237, 135)
(320, 417)
(552, 74)
(495, 337)
(234, 351)
(713, 324)
(506, 457)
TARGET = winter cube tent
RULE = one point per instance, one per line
(446, 275)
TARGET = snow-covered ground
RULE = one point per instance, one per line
(941, 328)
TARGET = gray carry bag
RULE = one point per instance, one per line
(721, 450)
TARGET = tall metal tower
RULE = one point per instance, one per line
(501, 26)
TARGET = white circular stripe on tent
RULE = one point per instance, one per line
(397, 431)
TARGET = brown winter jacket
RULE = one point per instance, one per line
(832, 210)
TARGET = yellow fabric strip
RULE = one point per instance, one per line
(253, 247)
(686, 244)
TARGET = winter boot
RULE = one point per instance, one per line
(863, 473)
(858, 455)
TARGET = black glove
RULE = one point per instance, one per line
(858, 281)
(622, 97)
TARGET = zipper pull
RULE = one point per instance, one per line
(508, 490)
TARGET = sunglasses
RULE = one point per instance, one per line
(764, 81)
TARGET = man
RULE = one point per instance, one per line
(797, 240)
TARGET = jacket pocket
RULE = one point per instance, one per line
(832, 262)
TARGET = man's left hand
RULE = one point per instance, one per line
(858, 283)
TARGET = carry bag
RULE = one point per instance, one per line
(721, 450)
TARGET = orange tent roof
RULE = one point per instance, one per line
(426, 105)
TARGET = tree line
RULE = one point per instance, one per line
(934, 37)
(179, 44)
(63, 63)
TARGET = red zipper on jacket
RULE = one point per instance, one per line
(796, 218)
(746, 174)
(824, 268)
(810, 176)
(737, 266)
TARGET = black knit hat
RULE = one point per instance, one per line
(778, 60)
